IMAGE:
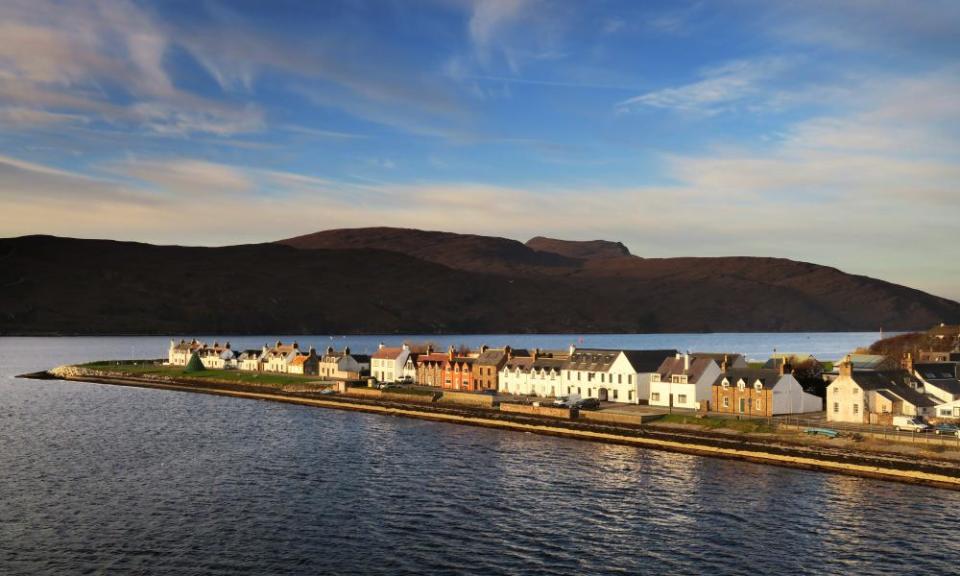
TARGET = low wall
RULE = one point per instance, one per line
(467, 398)
(305, 387)
(548, 411)
(615, 418)
(364, 392)
(407, 397)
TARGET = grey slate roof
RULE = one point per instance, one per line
(767, 378)
(644, 361)
(674, 366)
(896, 381)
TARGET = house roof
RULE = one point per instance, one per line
(937, 370)
(388, 353)
(647, 361)
(896, 381)
(767, 378)
(491, 357)
(250, 355)
(675, 366)
(945, 330)
(433, 357)
(718, 357)
(299, 360)
(548, 363)
(592, 360)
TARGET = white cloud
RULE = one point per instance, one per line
(719, 88)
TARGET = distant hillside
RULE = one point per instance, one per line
(585, 250)
(383, 280)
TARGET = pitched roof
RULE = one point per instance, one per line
(548, 363)
(937, 370)
(778, 358)
(299, 360)
(899, 382)
(592, 360)
(675, 366)
(388, 353)
(491, 356)
(644, 361)
(433, 357)
(750, 376)
(718, 357)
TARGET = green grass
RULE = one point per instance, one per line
(238, 376)
(713, 423)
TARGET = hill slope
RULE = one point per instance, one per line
(361, 281)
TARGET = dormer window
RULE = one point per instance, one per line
(725, 383)
(758, 386)
(741, 385)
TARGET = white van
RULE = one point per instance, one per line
(910, 424)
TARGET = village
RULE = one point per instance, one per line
(912, 394)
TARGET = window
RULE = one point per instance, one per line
(741, 385)
(725, 383)
(759, 404)
(654, 396)
(943, 411)
(578, 376)
(836, 407)
(758, 387)
(579, 391)
(726, 401)
(629, 379)
(682, 399)
(619, 378)
(856, 408)
(614, 394)
(630, 395)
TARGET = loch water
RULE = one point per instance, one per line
(100, 479)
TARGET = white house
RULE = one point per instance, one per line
(250, 359)
(875, 396)
(218, 357)
(612, 375)
(387, 364)
(343, 365)
(535, 375)
(685, 382)
(278, 357)
(180, 352)
(939, 379)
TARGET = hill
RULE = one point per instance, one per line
(384, 280)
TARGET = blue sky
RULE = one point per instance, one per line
(825, 131)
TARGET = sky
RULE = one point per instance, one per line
(826, 131)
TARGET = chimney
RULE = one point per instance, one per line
(786, 367)
(535, 353)
(295, 345)
(227, 345)
(483, 348)
(686, 362)
(907, 362)
(406, 347)
(329, 350)
(677, 355)
(509, 352)
(429, 348)
(725, 363)
(380, 346)
(450, 352)
(846, 367)
(572, 349)
(346, 350)
(278, 344)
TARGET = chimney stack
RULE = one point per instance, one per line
(725, 363)
(686, 362)
(907, 362)
(450, 352)
(846, 367)
(572, 349)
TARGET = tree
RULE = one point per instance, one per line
(194, 365)
(809, 374)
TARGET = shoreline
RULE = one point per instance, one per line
(745, 447)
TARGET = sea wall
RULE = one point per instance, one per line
(467, 398)
(548, 411)
(615, 418)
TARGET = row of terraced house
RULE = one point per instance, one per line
(695, 381)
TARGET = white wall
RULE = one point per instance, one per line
(789, 398)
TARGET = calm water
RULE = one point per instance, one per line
(97, 479)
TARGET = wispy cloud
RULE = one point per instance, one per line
(720, 88)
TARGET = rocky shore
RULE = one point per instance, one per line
(776, 449)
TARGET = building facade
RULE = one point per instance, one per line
(874, 397)
(685, 382)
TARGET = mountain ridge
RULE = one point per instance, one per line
(390, 280)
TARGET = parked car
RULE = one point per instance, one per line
(327, 391)
(947, 429)
(588, 404)
(567, 401)
(405, 380)
(910, 424)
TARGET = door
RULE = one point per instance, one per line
(602, 394)
(743, 405)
